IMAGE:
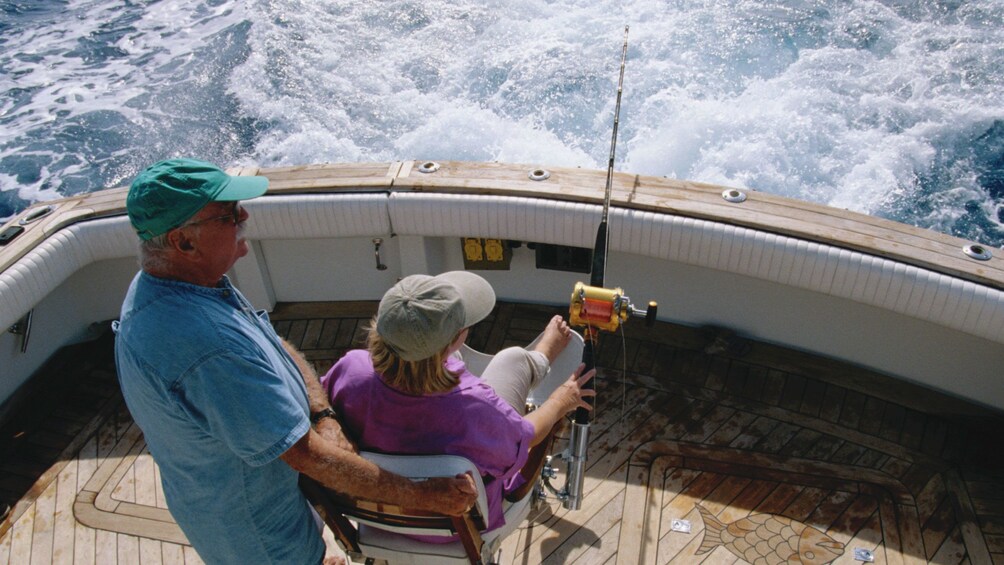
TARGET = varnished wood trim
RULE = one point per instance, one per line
(89, 515)
(774, 214)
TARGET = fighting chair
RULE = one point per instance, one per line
(370, 530)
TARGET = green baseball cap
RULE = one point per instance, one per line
(168, 193)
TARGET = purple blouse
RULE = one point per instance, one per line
(470, 420)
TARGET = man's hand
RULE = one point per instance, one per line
(446, 495)
(331, 430)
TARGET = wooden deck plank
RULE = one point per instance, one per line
(5, 550)
(930, 497)
(778, 437)
(172, 553)
(720, 500)
(85, 538)
(127, 548)
(192, 558)
(146, 489)
(892, 542)
(732, 428)
(832, 404)
(673, 545)
(159, 485)
(21, 536)
(752, 434)
(974, 542)
(751, 496)
(329, 333)
(805, 504)
(65, 525)
(848, 524)
(602, 550)
(912, 544)
(830, 509)
(585, 539)
(868, 536)
(150, 552)
(824, 448)
(684, 548)
(800, 443)
(745, 410)
(312, 334)
(602, 471)
(682, 503)
(779, 499)
(953, 550)
(42, 534)
(565, 524)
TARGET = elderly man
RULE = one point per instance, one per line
(230, 411)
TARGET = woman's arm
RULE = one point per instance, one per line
(567, 397)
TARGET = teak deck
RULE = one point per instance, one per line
(761, 452)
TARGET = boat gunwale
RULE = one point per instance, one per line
(773, 214)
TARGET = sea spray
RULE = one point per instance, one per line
(891, 109)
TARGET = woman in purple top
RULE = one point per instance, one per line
(410, 393)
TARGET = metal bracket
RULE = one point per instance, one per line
(377, 242)
(23, 328)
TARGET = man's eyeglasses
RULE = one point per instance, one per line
(233, 216)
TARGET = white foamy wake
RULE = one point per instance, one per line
(865, 105)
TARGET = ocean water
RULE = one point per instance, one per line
(893, 108)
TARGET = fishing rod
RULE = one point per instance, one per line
(596, 308)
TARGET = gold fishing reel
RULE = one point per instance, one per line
(605, 308)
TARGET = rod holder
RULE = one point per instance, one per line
(578, 444)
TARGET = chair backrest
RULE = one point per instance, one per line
(561, 368)
(336, 510)
(420, 467)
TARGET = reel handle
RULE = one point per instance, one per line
(649, 313)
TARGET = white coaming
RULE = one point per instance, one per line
(923, 294)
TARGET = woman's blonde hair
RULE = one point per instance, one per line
(425, 376)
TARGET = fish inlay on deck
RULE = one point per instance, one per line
(769, 539)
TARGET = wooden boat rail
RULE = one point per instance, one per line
(760, 211)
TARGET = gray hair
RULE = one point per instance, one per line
(153, 252)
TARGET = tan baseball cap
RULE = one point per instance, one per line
(420, 315)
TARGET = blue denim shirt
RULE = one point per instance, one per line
(219, 400)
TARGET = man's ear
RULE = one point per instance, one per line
(179, 240)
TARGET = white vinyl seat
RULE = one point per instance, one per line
(380, 531)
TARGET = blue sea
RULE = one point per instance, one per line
(893, 108)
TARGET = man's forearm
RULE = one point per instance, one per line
(351, 475)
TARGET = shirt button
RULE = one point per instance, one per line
(226, 293)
